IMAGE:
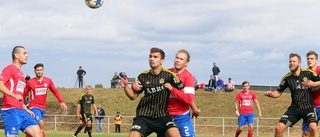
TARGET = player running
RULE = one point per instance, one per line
(38, 87)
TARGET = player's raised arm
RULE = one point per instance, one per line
(131, 94)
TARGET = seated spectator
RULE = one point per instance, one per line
(220, 84)
(115, 80)
(229, 86)
(211, 83)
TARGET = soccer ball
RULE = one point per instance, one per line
(94, 4)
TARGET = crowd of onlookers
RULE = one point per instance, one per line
(216, 83)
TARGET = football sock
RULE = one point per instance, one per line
(89, 129)
(238, 132)
(78, 130)
(250, 133)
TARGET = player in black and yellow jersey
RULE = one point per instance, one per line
(151, 113)
(85, 102)
(299, 81)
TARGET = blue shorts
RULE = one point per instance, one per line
(245, 118)
(38, 113)
(184, 125)
(304, 124)
(15, 120)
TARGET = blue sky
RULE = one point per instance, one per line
(249, 40)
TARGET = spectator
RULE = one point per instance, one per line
(220, 84)
(229, 86)
(115, 80)
(210, 84)
(80, 74)
(215, 73)
(99, 118)
(117, 122)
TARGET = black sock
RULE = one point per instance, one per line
(89, 129)
(78, 130)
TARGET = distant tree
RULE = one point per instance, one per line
(98, 86)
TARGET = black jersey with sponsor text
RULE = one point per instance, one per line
(86, 101)
(154, 103)
(301, 97)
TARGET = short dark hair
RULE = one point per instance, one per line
(295, 55)
(38, 65)
(245, 82)
(16, 50)
(155, 49)
(311, 52)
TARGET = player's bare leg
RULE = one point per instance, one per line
(33, 131)
(134, 134)
(313, 129)
(173, 132)
(280, 129)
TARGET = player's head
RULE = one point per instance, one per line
(88, 88)
(39, 69)
(294, 62)
(118, 112)
(312, 59)
(181, 60)
(19, 54)
(245, 85)
(156, 57)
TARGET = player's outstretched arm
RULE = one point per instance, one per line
(274, 94)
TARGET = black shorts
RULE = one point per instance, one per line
(86, 118)
(290, 117)
(146, 125)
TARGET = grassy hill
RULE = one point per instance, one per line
(219, 104)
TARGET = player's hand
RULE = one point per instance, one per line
(260, 115)
(30, 113)
(196, 113)
(237, 113)
(308, 84)
(17, 97)
(64, 106)
(123, 82)
(78, 116)
(168, 86)
(268, 93)
(137, 86)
